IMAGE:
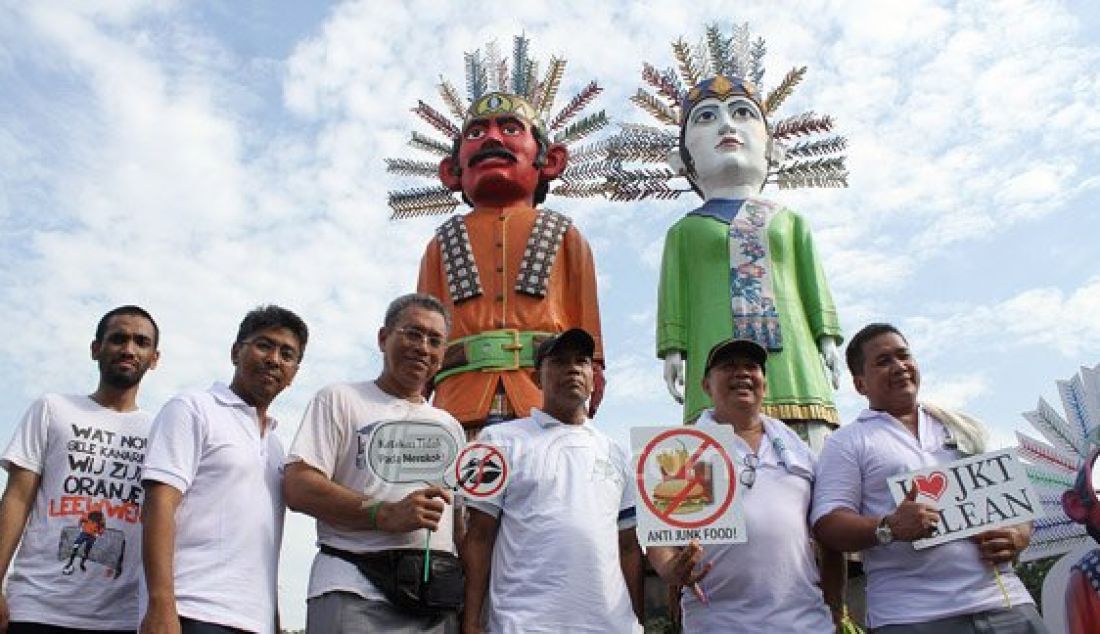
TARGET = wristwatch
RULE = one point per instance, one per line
(883, 534)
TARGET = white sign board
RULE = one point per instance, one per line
(686, 480)
(481, 471)
(972, 495)
(408, 451)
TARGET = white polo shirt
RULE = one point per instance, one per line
(229, 524)
(770, 582)
(556, 558)
(905, 585)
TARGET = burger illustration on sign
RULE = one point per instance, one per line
(693, 488)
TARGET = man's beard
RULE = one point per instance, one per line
(120, 379)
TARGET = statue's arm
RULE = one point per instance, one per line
(817, 299)
(830, 356)
(672, 316)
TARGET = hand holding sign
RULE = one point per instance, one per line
(1002, 545)
(678, 566)
(422, 508)
(683, 568)
(912, 520)
(975, 496)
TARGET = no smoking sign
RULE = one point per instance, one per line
(686, 486)
(481, 471)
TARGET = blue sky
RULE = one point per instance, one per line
(199, 160)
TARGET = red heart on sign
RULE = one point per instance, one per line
(932, 485)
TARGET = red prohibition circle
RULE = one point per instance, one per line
(503, 470)
(667, 518)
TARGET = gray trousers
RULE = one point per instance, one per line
(1022, 619)
(349, 613)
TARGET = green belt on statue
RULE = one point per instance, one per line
(491, 351)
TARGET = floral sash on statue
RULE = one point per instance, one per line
(752, 296)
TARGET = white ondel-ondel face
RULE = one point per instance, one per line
(728, 144)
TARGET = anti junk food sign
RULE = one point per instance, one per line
(972, 495)
(687, 486)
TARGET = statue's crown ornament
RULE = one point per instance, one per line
(721, 87)
(497, 104)
(495, 86)
(723, 67)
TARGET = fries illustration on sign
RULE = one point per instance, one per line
(691, 484)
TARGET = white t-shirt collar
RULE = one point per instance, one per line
(226, 396)
(546, 421)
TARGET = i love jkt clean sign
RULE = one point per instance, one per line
(972, 495)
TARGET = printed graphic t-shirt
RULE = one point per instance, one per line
(80, 557)
(340, 435)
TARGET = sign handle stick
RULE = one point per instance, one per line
(428, 554)
(1001, 585)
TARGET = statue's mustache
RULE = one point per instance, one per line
(488, 153)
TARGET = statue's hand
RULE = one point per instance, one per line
(674, 374)
(831, 358)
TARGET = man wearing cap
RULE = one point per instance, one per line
(511, 274)
(958, 587)
(556, 550)
(772, 578)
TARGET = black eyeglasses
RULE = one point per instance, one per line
(748, 475)
(263, 345)
(416, 337)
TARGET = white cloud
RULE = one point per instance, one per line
(865, 271)
(1044, 317)
(638, 378)
(954, 391)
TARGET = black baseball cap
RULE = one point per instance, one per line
(730, 347)
(572, 339)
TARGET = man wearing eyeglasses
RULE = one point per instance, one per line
(773, 578)
(214, 508)
(369, 529)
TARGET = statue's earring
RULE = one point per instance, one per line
(777, 153)
(676, 162)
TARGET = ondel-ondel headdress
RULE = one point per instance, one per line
(720, 66)
(495, 86)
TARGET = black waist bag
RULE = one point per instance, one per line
(399, 575)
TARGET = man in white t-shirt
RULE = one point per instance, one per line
(556, 551)
(334, 474)
(959, 587)
(73, 494)
(214, 505)
(770, 583)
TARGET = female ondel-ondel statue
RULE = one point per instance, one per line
(739, 265)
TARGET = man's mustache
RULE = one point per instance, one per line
(488, 153)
